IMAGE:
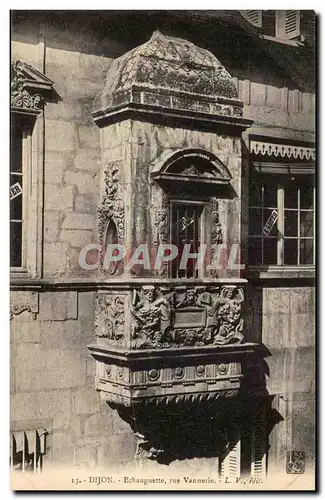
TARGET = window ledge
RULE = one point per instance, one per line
(276, 272)
(283, 41)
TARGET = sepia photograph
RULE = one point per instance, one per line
(162, 250)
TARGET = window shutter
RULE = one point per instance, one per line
(253, 16)
(287, 24)
(230, 464)
(258, 458)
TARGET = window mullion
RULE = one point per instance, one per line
(280, 244)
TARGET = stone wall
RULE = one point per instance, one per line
(52, 383)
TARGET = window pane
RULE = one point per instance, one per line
(255, 193)
(255, 251)
(270, 195)
(15, 244)
(16, 149)
(270, 251)
(291, 196)
(16, 197)
(255, 221)
(306, 251)
(291, 251)
(306, 196)
(270, 223)
(186, 230)
(306, 224)
(291, 223)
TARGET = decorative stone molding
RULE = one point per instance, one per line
(24, 301)
(282, 150)
(111, 209)
(27, 88)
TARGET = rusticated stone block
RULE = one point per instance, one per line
(78, 221)
(63, 368)
(52, 221)
(56, 259)
(60, 135)
(23, 406)
(66, 334)
(57, 198)
(87, 159)
(28, 369)
(62, 448)
(58, 306)
(86, 305)
(99, 423)
(86, 203)
(86, 183)
(85, 401)
(55, 404)
(86, 455)
(55, 164)
(76, 238)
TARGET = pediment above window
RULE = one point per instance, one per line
(29, 88)
(190, 166)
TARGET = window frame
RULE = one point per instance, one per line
(30, 90)
(203, 223)
(281, 237)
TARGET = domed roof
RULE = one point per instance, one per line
(167, 63)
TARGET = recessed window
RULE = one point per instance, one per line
(186, 225)
(16, 194)
(281, 220)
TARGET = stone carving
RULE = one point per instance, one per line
(216, 230)
(110, 317)
(230, 315)
(23, 301)
(111, 207)
(152, 318)
(21, 97)
(179, 318)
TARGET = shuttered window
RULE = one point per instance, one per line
(253, 16)
(27, 449)
(287, 24)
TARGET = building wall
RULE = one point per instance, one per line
(52, 373)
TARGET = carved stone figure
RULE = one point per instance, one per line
(161, 317)
(152, 319)
(229, 312)
(109, 322)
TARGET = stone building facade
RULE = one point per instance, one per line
(151, 128)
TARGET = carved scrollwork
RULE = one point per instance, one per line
(110, 317)
(187, 317)
(111, 208)
(21, 97)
